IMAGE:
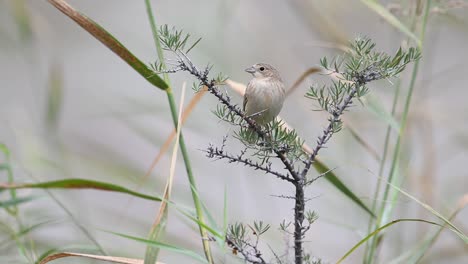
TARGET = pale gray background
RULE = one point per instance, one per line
(112, 122)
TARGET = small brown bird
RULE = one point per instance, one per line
(264, 95)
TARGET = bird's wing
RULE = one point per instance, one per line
(245, 102)
(246, 94)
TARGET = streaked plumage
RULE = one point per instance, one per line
(264, 95)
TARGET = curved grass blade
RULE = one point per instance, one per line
(434, 212)
(17, 201)
(213, 227)
(186, 252)
(380, 229)
(75, 221)
(375, 106)
(190, 215)
(214, 230)
(6, 166)
(78, 184)
(210, 229)
(391, 19)
(361, 141)
(165, 147)
(61, 250)
(91, 256)
(333, 179)
(301, 78)
(54, 96)
(24, 231)
(109, 41)
(417, 253)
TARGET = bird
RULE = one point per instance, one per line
(264, 95)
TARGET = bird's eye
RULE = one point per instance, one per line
(262, 68)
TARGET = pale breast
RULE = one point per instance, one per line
(264, 99)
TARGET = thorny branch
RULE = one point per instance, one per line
(220, 153)
(362, 66)
(185, 64)
(250, 252)
(328, 132)
(240, 242)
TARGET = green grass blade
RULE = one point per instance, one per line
(152, 253)
(23, 19)
(415, 254)
(403, 123)
(5, 150)
(391, 199)
(219, 233)
(168, 247)
(375, 106)
(29, 229)
(212, 230)
(190, 215)
(79, 184)
(213, 225)
(74, 220)
(381, 168)
(391, 19)
(159, 225)
(363, 142)
(191, 178)
(183, 148)
(17, 201)
(378, 230)
(434, 212)
(13, 210)
(54, 96)
(109, 41)
(333, 179)
(16, 237)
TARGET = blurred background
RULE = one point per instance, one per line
(70, 108)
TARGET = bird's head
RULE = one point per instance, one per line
(263, 70)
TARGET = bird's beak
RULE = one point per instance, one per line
(250, 70)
